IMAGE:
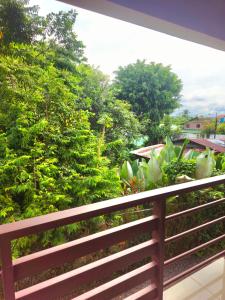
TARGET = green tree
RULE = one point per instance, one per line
(122, 135)
(125, 124)
(169, 128)
(58, 32)
(112, 119)
(19, 22)
(185, 114)
(58, 43)
(49, 155)
(208, 129)
(152, 89)
(221, 128)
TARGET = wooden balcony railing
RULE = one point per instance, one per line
(154, 225)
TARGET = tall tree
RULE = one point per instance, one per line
(49, 156)
(111, 118)
(152, 89)
(58, 31)
(19, 23)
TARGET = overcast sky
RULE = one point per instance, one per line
(111, 43)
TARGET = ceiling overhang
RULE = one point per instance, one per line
(200, 21)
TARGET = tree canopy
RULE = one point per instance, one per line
(47, 144)
(64, 127)
(19, 23)
(112, 119)
(152, 90)
(49, 149)
(49, 157)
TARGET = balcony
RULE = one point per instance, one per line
(187, 284)
(208, 283)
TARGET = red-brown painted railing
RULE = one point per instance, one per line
(14, 270)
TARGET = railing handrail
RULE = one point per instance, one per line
(41, 223)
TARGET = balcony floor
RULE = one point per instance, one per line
(206, 284)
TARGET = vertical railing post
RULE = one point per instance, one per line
(159, 207)
(7, 270)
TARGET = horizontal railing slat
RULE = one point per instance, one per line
(99, 269)
(194, 209)
(38, 224)
(55, 256)
(121, 284)
(147, 293)
(194, 250)
(193, 269)
(193, 230)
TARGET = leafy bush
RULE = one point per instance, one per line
(166, 168)
(172, 166)
(49, 157)
(177, 168)
(221, 128)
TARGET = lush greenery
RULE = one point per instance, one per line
(174, 165)
(66, 131)
(63, 131)
(153, 91)
(50, 157)
(171, 165)
(19, 23)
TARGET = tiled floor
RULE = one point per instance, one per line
(206, 284)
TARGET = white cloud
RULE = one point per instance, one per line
(111, 43)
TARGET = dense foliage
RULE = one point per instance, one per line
(19, 23)
(213, 128)
(171, 165)
(49, 157)
(113, 121)
(65, 129)
(50, 152)
(152, 89)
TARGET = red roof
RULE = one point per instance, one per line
(207, 144)
(145, 151)
(220, 116)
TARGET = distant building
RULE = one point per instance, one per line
(201, 144)
(197, 123)
(221, 118)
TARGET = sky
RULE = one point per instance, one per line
(111, 43)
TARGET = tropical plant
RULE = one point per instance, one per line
(205, 163)
(172, 165)
(168, 127)
(175, 165)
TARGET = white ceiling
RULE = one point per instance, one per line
(200, 21)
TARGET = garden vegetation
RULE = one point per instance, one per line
(66, 130)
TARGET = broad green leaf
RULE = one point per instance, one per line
(126, 172)
(205, 164)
